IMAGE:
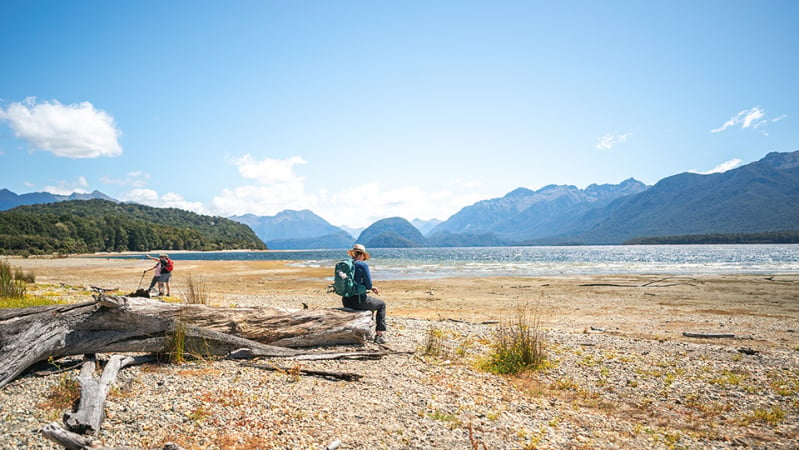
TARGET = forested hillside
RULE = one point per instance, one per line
(87, 226)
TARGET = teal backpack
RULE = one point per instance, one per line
(344, 280)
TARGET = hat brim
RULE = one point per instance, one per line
(365, 253)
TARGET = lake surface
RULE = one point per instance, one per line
(419, 263)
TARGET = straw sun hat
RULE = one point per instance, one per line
(359, 248)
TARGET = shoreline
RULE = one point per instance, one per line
(760, 306)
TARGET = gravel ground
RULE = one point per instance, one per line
(599, 390)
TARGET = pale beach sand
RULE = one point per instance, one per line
(763, 307)
(622, 374)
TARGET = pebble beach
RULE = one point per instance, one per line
(620, 372)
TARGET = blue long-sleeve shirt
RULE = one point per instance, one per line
(362, 275)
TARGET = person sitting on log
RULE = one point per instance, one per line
(363, 301)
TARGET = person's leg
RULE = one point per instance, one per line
(152, 284)
(166, 277)
(375, 304)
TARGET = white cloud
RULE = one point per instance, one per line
(63, 187)
(278, 188)
(135, 179)
(721, 168)
(609, 140)
(150, 197)
(778, 118)
(748, 118)
(269, 171)
(71, 131)
(263, 200)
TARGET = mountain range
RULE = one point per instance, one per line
(296, 230)
(10, 200)
(759, 197)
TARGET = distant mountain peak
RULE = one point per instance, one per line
(781, 161)
(393, 232)
(296, 229)
(519, 192)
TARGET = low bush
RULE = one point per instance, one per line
(518, 345)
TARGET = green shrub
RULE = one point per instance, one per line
(518, 345)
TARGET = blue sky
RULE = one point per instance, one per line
(364, 110)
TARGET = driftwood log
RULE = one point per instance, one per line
(74, 441)
(90, 413)
(708, 335)
(113, 324)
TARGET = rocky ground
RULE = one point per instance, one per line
(619, 372)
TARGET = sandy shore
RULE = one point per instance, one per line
(764, 308)
(621, 374)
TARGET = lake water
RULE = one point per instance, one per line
(419, 263)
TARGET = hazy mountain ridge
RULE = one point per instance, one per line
(291, 229)
(10, 199)
(525, 214)
(425, 226)
(759, 197)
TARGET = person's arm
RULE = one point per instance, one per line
(363, 276)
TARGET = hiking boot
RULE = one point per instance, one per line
(379, 340)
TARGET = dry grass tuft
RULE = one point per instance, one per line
(195, 292)
(518, 344)
(10, 286)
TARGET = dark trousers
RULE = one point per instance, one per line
(152, 283)
(367, 303)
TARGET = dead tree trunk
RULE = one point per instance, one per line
(74, 441)
(89, 416)
(126, 325)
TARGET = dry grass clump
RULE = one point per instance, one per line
(10, 285)
(182, 347)
(518, 344)
(63, 395)
(195, 292)
(433, 344)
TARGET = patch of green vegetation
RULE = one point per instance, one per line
(198, 415)
(728, 378)
(772, 416)
(566, 384)
(443, 417)
(518, 345)
(784, 382)
(29, 300)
